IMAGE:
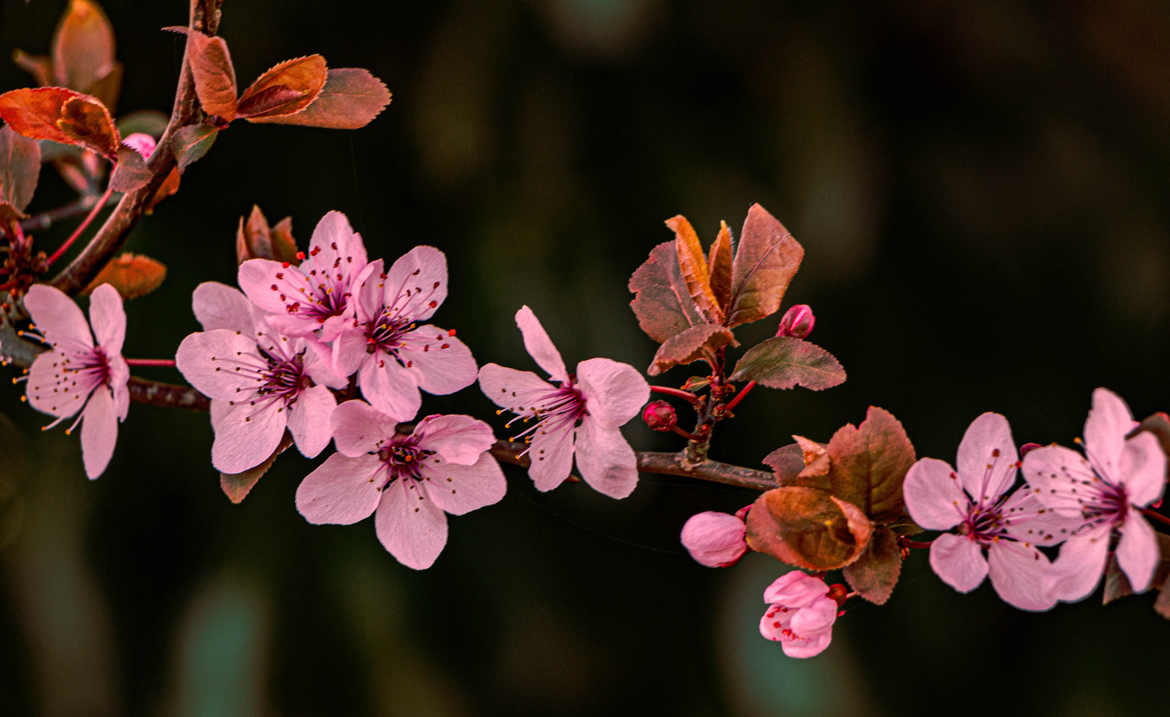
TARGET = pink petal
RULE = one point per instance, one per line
(459, 488)
(605, 459)
(987, 458)
(958, 561)
(714, 539)
(358, 428)
(441, 363)
(56, 316)
(51, 390)
(808, 646)
(1142, 469)
(207, 359)
(818, 616)
(368, 291)
(349, 351)
(108, 319)
(1077, 570)
(512, 389)
(308, 420)
(795, 589)
(99, 432)
(457, 438)
(1105, 429)
(1137, 552)
(257, 277)
(551, 453)
(336, 246)
(219, 306)
(410, 526)
(319, 364)
(1030, 521)
(540, 346)
(389, 387)
(118, 379)
(246, 435)
(933, 495)
(417, 283)
(1052, 472)
(775, 621)
(1018, 573)
(341, 491)
(614, 392)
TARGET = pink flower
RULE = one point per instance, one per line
(259, 381)
(409, 481)
(393, 355)
(714, 539)
(800, 616)
(1101, 492)
(581, 414)
(976, 500)
(317, 294)
(77, 375)
(141, 143)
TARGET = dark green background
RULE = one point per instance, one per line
(981, 194)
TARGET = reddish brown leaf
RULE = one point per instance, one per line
(719, 266)
(868, 465)
(107, 87)
(765, 262)
(10, 214)
(876, 572)
(61, 115)
(661, 302)
(284, 246)
(83, 46)
(694, 344)
(351, 99)
(784, 362)
(189, 144)
(236, 486)
(20, 166)
(693, 266)
(1117, 584)
(215, 78)
(169, 186)
(786, 462)
(133, 275)
(284, 89)
(808, 528)
(255, 240)
(39, 66)
(130, 173)
(815, 457)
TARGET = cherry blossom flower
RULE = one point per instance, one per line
(976, 500)
(394, 357)
(580, 414)
(715, 539)
(317, 295)
(800, 615)
(1102, 492)
(259, 381)
(408, 481)
(77, 375)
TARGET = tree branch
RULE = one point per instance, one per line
(205, 15)
(78, 207)
(167, 395)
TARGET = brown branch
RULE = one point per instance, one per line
(665, 464)
(205, 15)
(78, 207)
(167, 395)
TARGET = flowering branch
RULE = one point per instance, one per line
(205, 15)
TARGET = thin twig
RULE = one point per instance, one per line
(76, 208)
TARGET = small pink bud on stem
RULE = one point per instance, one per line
(714, 539)
(660, 416)
(839, 594)
(141, 143)
(797, 322)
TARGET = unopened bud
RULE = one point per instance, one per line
(714, 539)
(255, 240)
(140, 142)
(838, 593)
(660, 416)
(797, 322)
(1028, 448)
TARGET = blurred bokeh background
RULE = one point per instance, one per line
(981, 190)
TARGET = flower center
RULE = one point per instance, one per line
(402, 459)
(386, 330)
(560, 409)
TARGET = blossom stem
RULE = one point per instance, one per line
(739, 397)
(908, 543)
(150, 362)
(686, 434)
(97, 208)
(77, 207)
(1151, 513)
(677, 393)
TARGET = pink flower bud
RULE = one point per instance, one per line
(797, 322)
(141, 143)
(659, 416)
(1028, 448)
(714, 539)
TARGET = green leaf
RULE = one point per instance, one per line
(661, 301)
(876, 572)
(868, 465)
(765, 262)
(20, 166)
(191, 143)
(807, 528)
(694, 344)
(784, 362)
